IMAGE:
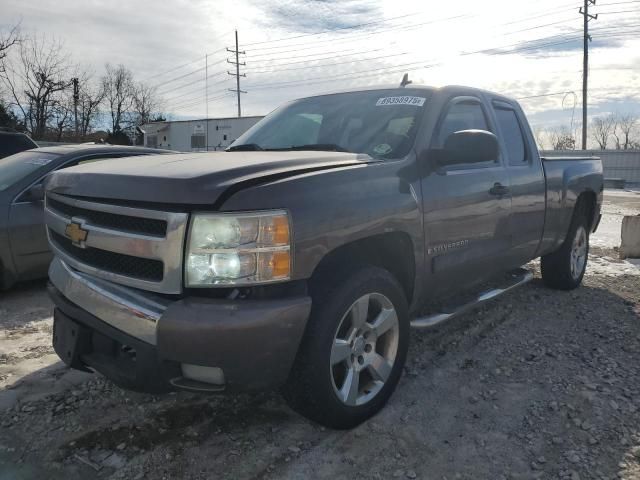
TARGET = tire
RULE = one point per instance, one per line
(341, 346)
(564, 268)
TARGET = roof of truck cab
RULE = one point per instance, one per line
(462, 89)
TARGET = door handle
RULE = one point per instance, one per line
(499, 190)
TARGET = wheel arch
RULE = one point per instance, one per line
(588, 200)
(393, 251)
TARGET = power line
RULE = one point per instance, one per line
(621, 11)
(488, 51)
(557, 9)
(174, 69)
(405, 26)
(350, 27)
(331, 57)
(269, 56)
(189, 74)
(258, 72)
(413, 65)
(363, 73)
(357, 35)
(269, 60)
(554, 11)
(618, 3)
(179, 87)
(199, 59)
(198, 90)
(544, 95)
(213, 100)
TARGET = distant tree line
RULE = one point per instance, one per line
(37, 94)
(614, 131)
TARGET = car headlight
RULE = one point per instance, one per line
(228, 249)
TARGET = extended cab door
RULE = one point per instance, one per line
(466, 207)
(526, 177)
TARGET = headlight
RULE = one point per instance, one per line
(226, 249)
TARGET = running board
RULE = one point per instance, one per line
(518, 277)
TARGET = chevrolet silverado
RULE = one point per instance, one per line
(299, 258)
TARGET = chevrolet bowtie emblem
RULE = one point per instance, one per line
(76, 233)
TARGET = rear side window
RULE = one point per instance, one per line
(512, 135)
(462, 116)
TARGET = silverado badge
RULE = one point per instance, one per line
(76, 233)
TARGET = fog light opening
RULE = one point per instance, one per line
(199, 373)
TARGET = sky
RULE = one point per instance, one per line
(294, 48)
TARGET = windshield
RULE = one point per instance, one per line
(381, 123)
(16, 167)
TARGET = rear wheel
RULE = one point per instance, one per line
(352, 355)
(565, 268)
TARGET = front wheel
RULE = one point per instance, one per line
(564, 268)
(352, 354)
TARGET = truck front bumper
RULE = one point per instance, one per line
(147, 342)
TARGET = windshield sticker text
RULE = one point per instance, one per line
(415, 101)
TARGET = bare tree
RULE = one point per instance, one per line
(626, 126)
(541, 137)
(91, 97)
(146, 103)
(35, 80)
(62, 121)
(602, 128)
(8, 40)
(119, 94)
(562, 138)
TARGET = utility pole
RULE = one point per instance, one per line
(584, 11)
(237, 74)
(206, 99)
(76, 97)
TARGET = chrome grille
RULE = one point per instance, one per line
(132, 246)
(147, 226)
(118, 263)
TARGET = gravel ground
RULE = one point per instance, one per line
(538, 384)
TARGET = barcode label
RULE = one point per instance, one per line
(415, 101)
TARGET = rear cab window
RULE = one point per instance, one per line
(512, 134)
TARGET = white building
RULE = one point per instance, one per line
(196, 135)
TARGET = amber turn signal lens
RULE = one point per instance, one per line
(280, 230)
(280, 264)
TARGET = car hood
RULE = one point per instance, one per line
(193, 178)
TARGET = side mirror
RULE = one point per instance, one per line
(469, 146)
(35, 193)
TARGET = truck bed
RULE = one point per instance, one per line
(567, 177)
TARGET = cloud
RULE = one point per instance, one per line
(317, 15)
(555, 45)
(499, 46)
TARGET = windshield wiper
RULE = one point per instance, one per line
(245, 147)
(329, 147)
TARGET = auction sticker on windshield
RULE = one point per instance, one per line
(405, 100)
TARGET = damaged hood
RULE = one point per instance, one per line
(190, 178)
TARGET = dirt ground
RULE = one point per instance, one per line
(538, 384)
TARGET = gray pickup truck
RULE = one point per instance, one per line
(300, 257)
